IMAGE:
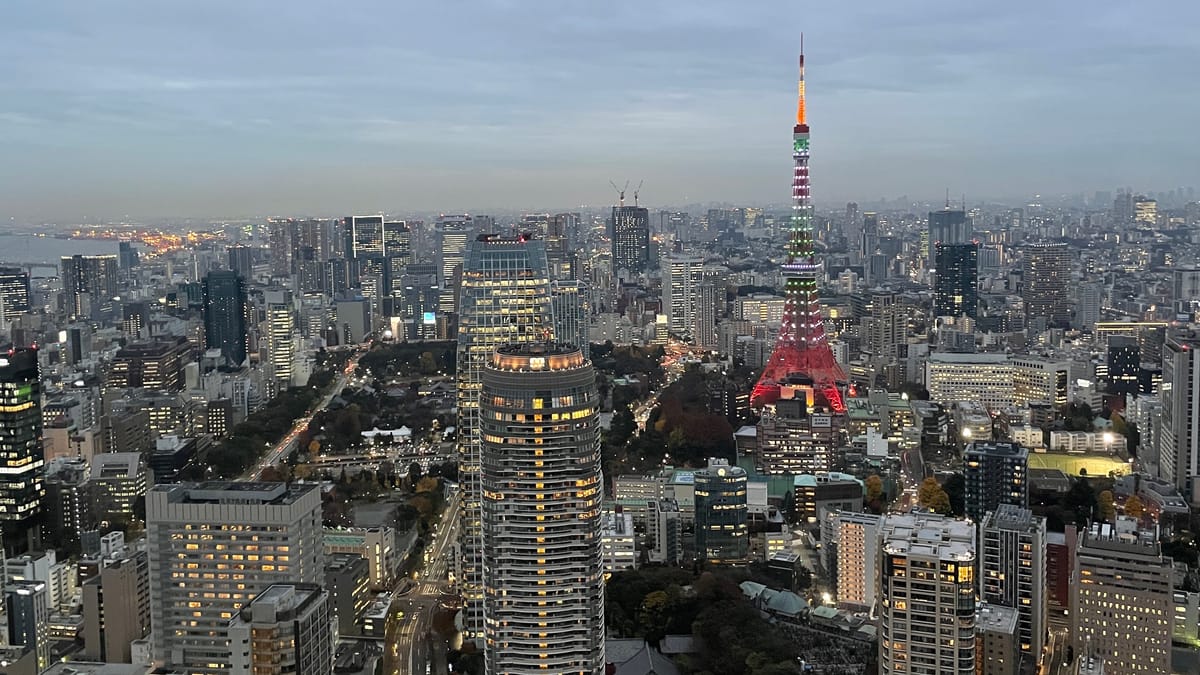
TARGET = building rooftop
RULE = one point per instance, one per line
(1009, 517)
(1122, 537)
(997, 449)
(996, 619)
(956, 357)
(234, 492)
(929, 535)
(108, 465)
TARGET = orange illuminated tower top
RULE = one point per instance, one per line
(801, 120)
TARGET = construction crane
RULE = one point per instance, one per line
(635, 192)
(620, 191)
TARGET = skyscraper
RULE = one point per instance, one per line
(241, 260)
(281, 336)
(852, 230)
(801, 350)
(365, 236)
(996, 472)
(722, 529)
(127, 255)
(14, 292)
(505, 299)
(1046, 274)
(927, 592)
(89, 283)
(629, 231)
(213, 547)
(569, 307)
(681, 278)
(709, 299)
(1179, 426)
(541, 484)
(397, 240)
(1013, 571)
(21, 455)
(956, 286)
(225, 315)
(1121, 607)
(452, 244)
(947, 227)
(870, 238)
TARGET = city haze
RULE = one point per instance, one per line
(234, 109)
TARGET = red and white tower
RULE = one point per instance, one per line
(802, 360)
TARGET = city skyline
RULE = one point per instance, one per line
(222, 109)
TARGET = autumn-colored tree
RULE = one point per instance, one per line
(1104, 501)
(427, 484)
(302, 471)
(314, 447)
(1134, 507)
(933, 497)
(874, 488)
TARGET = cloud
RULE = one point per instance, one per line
(1003, 98)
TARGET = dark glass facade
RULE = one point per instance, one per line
(956, 288)
(21, 481)
(225, 315)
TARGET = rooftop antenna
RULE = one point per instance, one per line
(635, 192)
(620, 191)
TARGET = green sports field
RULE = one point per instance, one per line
(1096, 465)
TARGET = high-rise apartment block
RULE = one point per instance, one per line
(1121, 609)
(21, 453)
(1046, 276)
(543, 573)
(629, 230)
(213, 547)
(286, 630)
(857, 559)
(505, 299)
(722, 529)
(1013, 571)
(927, 595)
(1179, 426)
(996, 472)
(225, 315)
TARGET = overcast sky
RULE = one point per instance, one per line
(228, 107)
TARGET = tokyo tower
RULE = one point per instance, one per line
(802, 360)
